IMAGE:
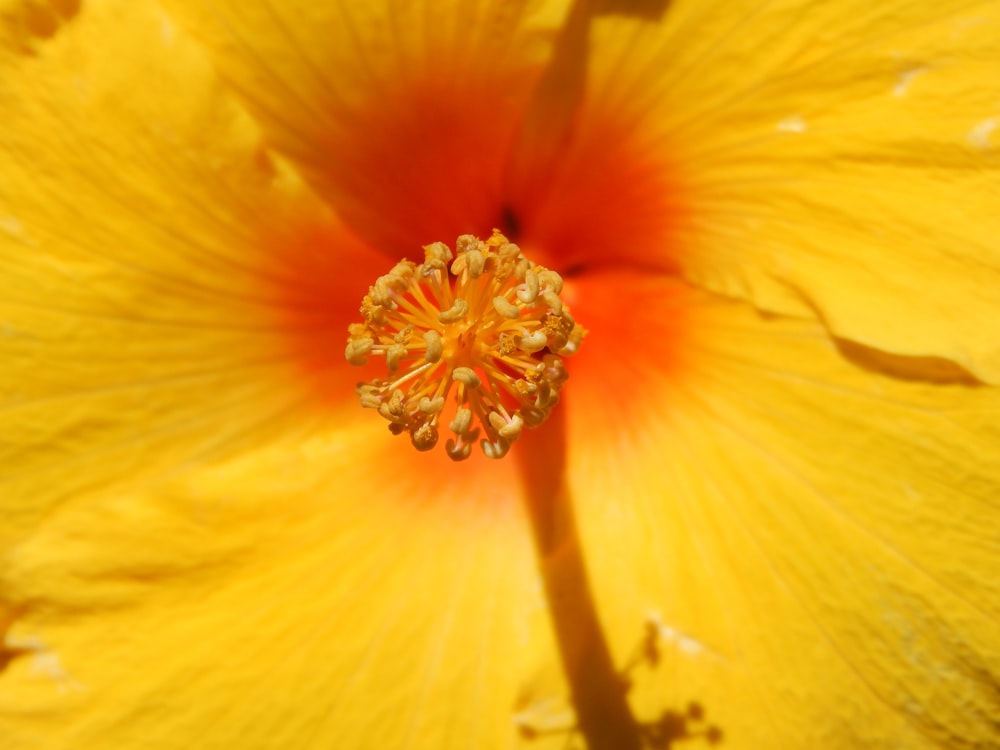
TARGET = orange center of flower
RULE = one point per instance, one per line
(472, 340)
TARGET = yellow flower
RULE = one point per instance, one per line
(778, 222)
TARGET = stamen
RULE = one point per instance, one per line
(472, 340)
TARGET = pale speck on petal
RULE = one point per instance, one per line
(684, 643)
(911, 493)
(544, 716)
(44, 662)
(979, 136)
(11, 225)
(904, 81)
(793, 124)
(167, 32)
(48, 663)
(962, 24)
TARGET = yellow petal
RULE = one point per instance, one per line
(311, 597)
(812, 544)
(400, 113)
(842, 159)
(148, 311)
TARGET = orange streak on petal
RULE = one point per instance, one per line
(424, 163)
(608, 200)
(319, 273)
(638, 349)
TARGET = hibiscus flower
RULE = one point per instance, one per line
(763, 513)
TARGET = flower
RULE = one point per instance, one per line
(777, 222)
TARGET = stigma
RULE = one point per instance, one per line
(473, 343)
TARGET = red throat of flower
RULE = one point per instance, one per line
(472, 340)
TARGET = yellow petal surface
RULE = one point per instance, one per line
(140, 290)
(842, 159)
(344, 593)
(812, 544)
(401, 114)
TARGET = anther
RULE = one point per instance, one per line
(489, 363)
(431, 405)
(508, 429)
(467, 376)
(357, 350)
(370, 400)
(533, 342)
(495, 449)
(454, 313)
(553, 302)
(528, 291)
(462, 421)
(393, 355)
(424, 437)
(457, 450)
(436, 257)
(432, 340)
(471, 262)
(506, 309)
